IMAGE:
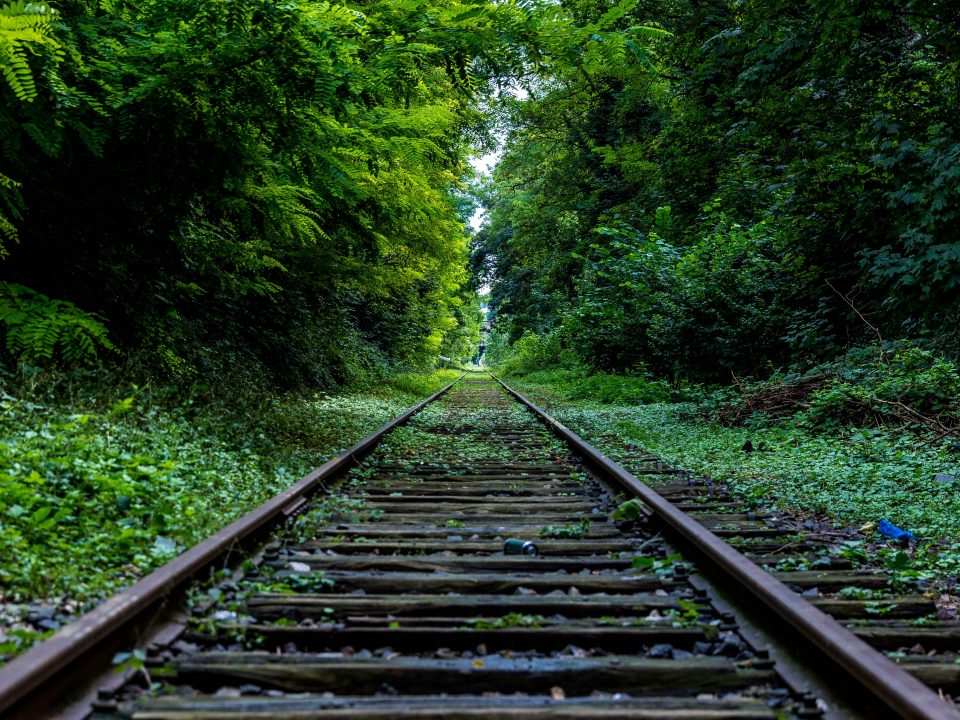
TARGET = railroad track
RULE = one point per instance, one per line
(393, 596)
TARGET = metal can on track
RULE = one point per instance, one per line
(515, 546)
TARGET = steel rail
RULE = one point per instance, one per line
(27, 673)
(893, 685)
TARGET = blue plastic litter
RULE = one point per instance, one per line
(892, 531)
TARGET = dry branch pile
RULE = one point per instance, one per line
(786, 399)
(780, 400)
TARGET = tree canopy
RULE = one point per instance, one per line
(783, 183)
(282, 188)
(257, 184)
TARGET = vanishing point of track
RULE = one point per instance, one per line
(392, 596)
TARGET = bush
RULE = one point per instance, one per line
(699, 309)
(415, 385)
(894, 383)
(897, 382)
(622, 390)
(607, 389)
(531, 353)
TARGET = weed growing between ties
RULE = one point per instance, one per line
(570, 531)
(99, 490)
(476, 439)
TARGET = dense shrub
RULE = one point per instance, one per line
(894, 383)
(530, 353)
(810, 161)
(621, 389)
(717, 304)
(37, 330)
(246, 206)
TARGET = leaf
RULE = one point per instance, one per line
(632, 509)
(23, 25)
(898, 562)
(41, 514)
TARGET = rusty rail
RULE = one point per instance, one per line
(902, 693)
(27, 674)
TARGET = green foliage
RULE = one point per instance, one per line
(568, 531)
(906, 575)
(854, 475)
(462, 341)
(626, 389)
(270, 190)
(40, 331)
(314, 582)
(659, 566)
(529, 353)
(16, 640)
(510, 620)
(896, 383)
(105, 484)
(921, 266)
(853, 592)
(698, 311)
(133, 661)
(414, 384)
(9, 203)
(24, 26)
(772, 187)
(633, 509)
(240, 223)
(621, 285)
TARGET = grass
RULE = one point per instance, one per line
(852, 475)
(98, 489)
(604, 388)
(420, 438)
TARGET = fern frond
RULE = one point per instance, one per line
(650, 32)
(8, 234)
(8, 198)
(24, 26)
(39, 330)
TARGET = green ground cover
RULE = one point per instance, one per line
(97, 490)
(853, 475)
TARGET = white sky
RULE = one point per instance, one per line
(485, 163)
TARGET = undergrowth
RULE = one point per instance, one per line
(625, 389)
(847, 450)
(893, 384)
(98, 487)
